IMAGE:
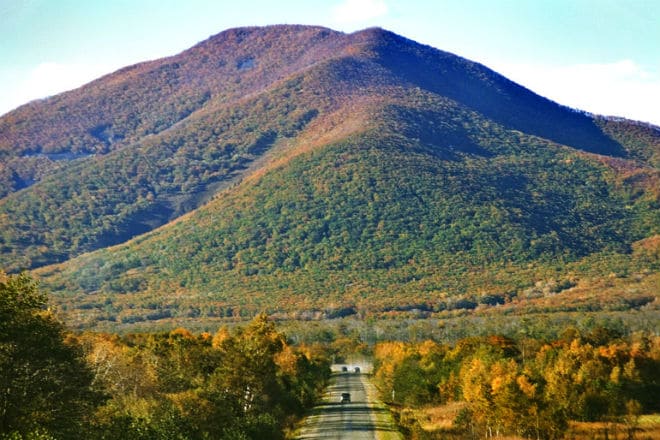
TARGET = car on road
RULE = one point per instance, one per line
(345, 398)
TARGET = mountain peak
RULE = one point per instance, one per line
(302, 156)
(383, 36)
(240, 34)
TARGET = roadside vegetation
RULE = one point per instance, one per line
(248, 383)
(537, 376)
(582, 384)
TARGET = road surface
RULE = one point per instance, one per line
(364, 418)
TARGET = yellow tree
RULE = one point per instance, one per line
(477, 392)
(387, 356)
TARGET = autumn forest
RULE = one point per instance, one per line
(188, 244)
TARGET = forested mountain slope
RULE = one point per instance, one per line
(319, 169)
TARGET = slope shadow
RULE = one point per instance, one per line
(492, 95)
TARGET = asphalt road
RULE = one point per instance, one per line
(363, 418)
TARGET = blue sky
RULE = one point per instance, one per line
(601, 56)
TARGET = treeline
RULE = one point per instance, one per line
(524, 387)
(248, 383)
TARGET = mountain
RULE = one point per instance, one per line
(297, 169)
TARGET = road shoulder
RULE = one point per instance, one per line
(382, 416)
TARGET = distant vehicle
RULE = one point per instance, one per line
(356, 369)
(344, 368)
(345, 398)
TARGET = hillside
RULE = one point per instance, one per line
(304, 169)
(87, 146)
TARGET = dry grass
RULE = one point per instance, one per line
(648, 428)
(439, 418)
(438, 422)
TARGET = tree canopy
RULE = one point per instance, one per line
(46, 383)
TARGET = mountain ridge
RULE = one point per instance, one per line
(388, 162)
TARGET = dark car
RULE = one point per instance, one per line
(345, 398)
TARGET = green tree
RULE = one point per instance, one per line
(256, 388)
(46, 385)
